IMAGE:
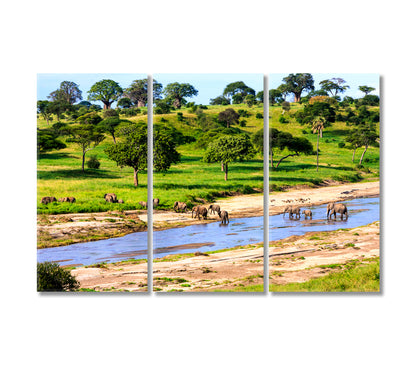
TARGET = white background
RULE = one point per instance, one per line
(221, 333)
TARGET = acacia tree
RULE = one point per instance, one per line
(107, 91)
(47, 140)
(229, 116)
(229, 149)
(297, 83)
(132, 150)
(68, 92)
(87, 136)
(44, 110)
(238, 87)
(109, 125)
(137, 92)
(367, 136)
(334, 86)
(354, 139)
(366, 89)
(175, 93)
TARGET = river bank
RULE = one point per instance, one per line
(293, 259)
(64, 229)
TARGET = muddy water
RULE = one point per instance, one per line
(208, 237)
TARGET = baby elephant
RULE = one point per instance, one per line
(307, 213)
(48, 199)
(223, 214)
(214, 208)
(179, 206)
(143, 204)
(110, 197)
(199, 211)
(155, 203)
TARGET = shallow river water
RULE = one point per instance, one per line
(210, 236)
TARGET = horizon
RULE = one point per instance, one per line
(209, 85)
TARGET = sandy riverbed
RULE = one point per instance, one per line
(64, 229)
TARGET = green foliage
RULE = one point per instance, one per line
(107, 91)
(285, 105)
(243, 113)
(228, 116)
(220, 100)
(334, 86)
(298, 83)
(124, 103)
(162, 107)
(243, 123)
(371, 100)
(180, 116)
(44, 109)
(93, 162)
(91, 118)
(317, 109)
(259, 115)
(275, 96)
(47, 140)
(175, 93)
(250, 100)
(137, 92)
(68, 92)
(108, 113)
(238, 87)
(283, 119)
(237, 98)
(51, 277)
(366, 89)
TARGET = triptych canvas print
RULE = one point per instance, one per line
(161, 184)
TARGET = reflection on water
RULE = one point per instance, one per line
(209, 236)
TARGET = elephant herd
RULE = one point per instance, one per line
(202, 212)
(50, 199)
(331, 211)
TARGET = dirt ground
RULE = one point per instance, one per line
(64, 229)
(294, 259)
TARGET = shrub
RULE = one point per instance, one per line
(51, 277)
(180, 116)
(110, 113)
(93, 162)
(243, 113)
(282, 119)
(243, 123)
(341, 145)
(259, 115)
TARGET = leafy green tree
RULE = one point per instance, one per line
(109, 125)
(90, 118)
(275, 96)
(317, 109)
(237, 98)
(124, 103)
(368, 137)
(137, 92)
(298, 83)
(58, 108)
(176, 93)
(220, 100)
(107, 91)
(353, 138)
(228, 116)
(334, 86)
(250, 100)
(366, 89)
(47, 140)
(131, 151)
(260, 96)
(51, 277)
(238, 87)
(285, 106)
(43, 109)
(87, 136)
(68, 92)
(229, 149)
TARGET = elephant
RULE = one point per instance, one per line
(199, 211)
(307, 213)
(223, 214)
(143, 204)
(48, 199)
(179, 206)
(292, 210)
(67, 199)
(120, 201)
(333, 209)
(214, 208)
(155, 203)
(110, 197)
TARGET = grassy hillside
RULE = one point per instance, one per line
(60, 175)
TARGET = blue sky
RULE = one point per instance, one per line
(352, 80)
(208, 85)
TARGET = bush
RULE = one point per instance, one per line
(93, 162)
(341, 145)
(259, 115)
(243, 123)
(283, 119)
(180, 116)
(51, 277)
(110, 113)
(304, 131)
(243, 113)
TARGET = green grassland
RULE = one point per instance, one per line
(60, 175)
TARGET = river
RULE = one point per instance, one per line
(210, 236)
